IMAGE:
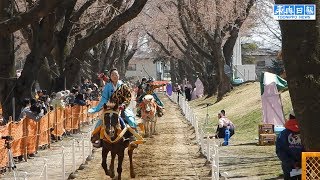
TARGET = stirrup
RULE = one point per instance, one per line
(97, 144)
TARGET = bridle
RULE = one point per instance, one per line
(111, 112)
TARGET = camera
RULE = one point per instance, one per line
(7, 138)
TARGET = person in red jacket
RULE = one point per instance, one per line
(289, 147)
(103, 76)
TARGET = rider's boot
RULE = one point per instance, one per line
(96, 141)
(160, 111)
(132, 144)
(138, 112)
(141, 126)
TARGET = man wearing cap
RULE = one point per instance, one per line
(104, 76)
(289, 147)
(141, 87)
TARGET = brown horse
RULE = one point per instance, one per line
(115, 140)
(148, 114)
(116, 135)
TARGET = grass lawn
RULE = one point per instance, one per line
(243, 159)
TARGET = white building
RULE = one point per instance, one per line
(246, 72)
(143, 65)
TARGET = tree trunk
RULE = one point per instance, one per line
(45, 79)
(209, 84)
(7, 63)
(301, 53)
(228, 47)
(223, 81)
(95, 62)
(173, 76)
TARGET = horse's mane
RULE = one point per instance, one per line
(122, 95)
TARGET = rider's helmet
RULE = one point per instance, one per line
(143, 79)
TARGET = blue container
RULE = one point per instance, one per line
(278, 129)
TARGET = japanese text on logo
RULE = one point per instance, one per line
(294, 11)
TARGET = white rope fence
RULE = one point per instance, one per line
(209, 147)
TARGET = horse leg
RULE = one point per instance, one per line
(154, 125)
(132, 173)
(149, 128)
(120, 160)
(113, 157)
(104, 160)
(146, 128)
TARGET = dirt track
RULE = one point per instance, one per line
(172, 154)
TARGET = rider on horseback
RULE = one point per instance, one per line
(149, 89)
(108, 90)
(141, 87)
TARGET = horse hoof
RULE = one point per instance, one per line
(132, 175)
(112, 174)
(108, 172)
(133, 145)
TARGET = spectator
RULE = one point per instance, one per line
(104, 76)
(88, 94)
(188, 91)
(225, 129)
(58, 101)
(32, 111)
(177, 88)
(95, 92)
(79, 100)
(85, 84)
(289, 147)
(70, 97)
(223, 112)
(45, 103)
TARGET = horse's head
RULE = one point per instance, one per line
(111, 120)
(149, 101)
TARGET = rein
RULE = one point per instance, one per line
(108, 138)
(139, 140)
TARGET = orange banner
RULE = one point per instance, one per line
(76, 112)
(4, 131)
(18, 145)
(59, 122)
(31, 133)
(44, 131)
(28, 134)
(68, 122)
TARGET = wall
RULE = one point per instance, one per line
(246, 72)
(144, 68)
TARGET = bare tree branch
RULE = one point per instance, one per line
(43, 8)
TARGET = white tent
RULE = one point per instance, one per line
(271, 100)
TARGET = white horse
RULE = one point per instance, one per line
(148, 113)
